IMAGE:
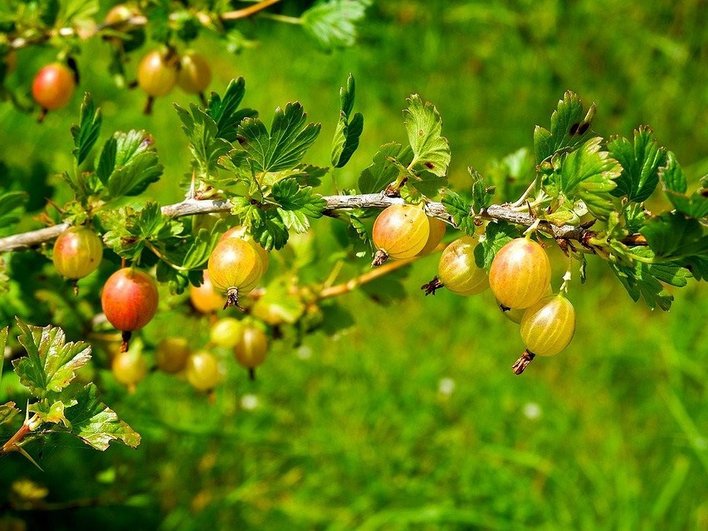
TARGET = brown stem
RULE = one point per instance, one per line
(380, 258)
(125, 341)
(12, 443)
(431, 287)
(523, 362)
(232, 299)
(248, 11)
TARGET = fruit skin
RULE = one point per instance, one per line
(226, 332)
(240, 232)
(157, 74)
(53, 86)
(437, 232)
(204, 297)
(401, 231)
(77, 252)
(457, 270)
(194, 73)
(515, 314)
(252, 347)
(548, 326)
(234, 264)
(203, 370)
(172, 353)
(520, 273)
(129, 368)
(129, 299)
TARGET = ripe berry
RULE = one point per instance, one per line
(546, 328)
(157, 74)
(520, 273)
(234, 267)
(194, 73)
(457, 270)
(171, 354)
(515, 314)
(129, 368)
(116, 19)
(437, 232)
(129, 300)
(251, 349)
(400, 231)
(53, 86)
(205, 298)
(240, 232)
(203, 370)
(77, 252)
(226, 332)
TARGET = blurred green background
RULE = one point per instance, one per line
(412, 419)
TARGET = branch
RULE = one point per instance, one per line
(191, 207)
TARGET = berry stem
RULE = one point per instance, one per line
(252, 374)
(232, 299)
(523, 362)
(431, 287)
(125, 340)
(379, 258)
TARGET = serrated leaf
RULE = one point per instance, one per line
(497, 234)
(424, 126)
(460, 209)
(674, 184)
(51, 362)
(8, 412)
(205, 145)
(297, 204)
(587, 174)
(136, 164)
(642, 280)
(11, 207)
(482, 192)
(225, 112)
(86, 133)
(285, 145)
(96, 424)
(384, 170)
(675, 236)
(333, 23)
(52, 412)
(266, 226)
(107, 160)
(347, 133)
(570, 127)
(640, 162)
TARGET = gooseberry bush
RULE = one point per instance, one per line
(252, 200)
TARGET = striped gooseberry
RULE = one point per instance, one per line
(53, 86)
(157, 75)
(77, 252)
(226, 332)
(520, 273)
(129, 301)
(400, 232)
(194, 73)
(172, 353)
(251, 349)
(235, 268)
(457, 270)
(240, 232)
(437, 233)
(515, 314)
(547, 327)
(203, 371)
(204, 297)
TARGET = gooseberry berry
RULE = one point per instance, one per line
(77, 252)
(457, 270)
(251, 349)
(157, 74)
(226, 332)
(203, 370)
(172, 353)
(437, 233)
(240, 232)
(194, 73)
(129, 368)
(400, 231)
(204, 297)
(234, 267)
(520, 273)
(53, 86)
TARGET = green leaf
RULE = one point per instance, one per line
(346, 136)
(675, 236)
(640, 162)
(642, 280)
(225, 112)
(386, 167)
(587, 174)
(8, 412)
(297, 204)
(51, 362)
(512, 174)
(107, 160)
(205, 145)
(482, 192)
(11, 207)
(496, 236)
(333, 23)
(674, 184)
(3, 343)
(570, 127)
(52, 412)
(96, 424)
(136, 164)
(266, 226)
(424, 125)
(285, 145)
(460, 209)
(86, 133)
